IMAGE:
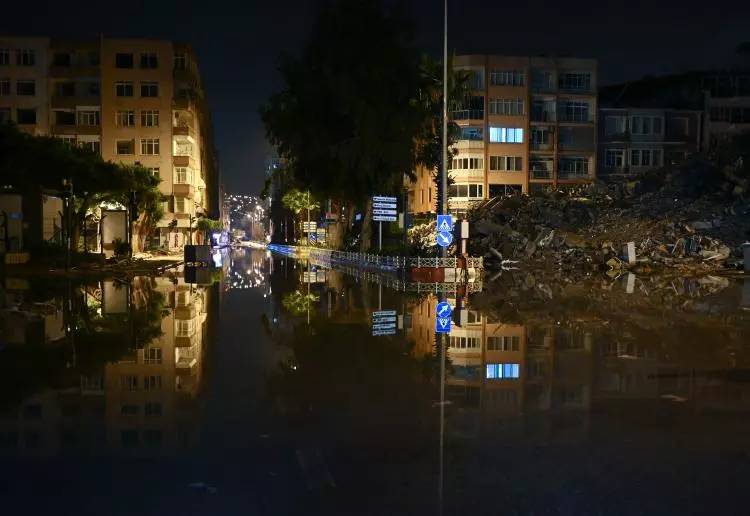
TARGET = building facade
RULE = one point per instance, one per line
(134, 101)
(632, 140)
(528, 124)
(727, 103)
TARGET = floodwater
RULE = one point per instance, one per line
(261, 389)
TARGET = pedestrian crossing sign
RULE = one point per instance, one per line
(444, 223)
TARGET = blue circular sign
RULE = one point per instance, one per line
(444, 238)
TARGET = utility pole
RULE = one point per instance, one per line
(308, 217)
(444, 171)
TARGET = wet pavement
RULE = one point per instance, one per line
(262, 390)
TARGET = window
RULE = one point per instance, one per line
(123, 60)
(614, 125)
(152, 409)
(155, 171)
(125, 119)
(574, 166)
(90, 145)
(4, 87)
(734, 115)
(150, 118)
(645, 157)
(184, 328)
(65, 89)
(69, 140)
(125, 147)
(506, 163)
(4, 57)
(26, 116)
(61, 59)
(574, 111)
(506, 107)
(150, 146)
(467, 164)
(92, 89)
(25, 57)
(129, 382)
(26, 88)
(149, 60)
(614, 158)
(124, 89)
(476, 79)
(471, 133)
(182, 175)
(542, 80)
(506, 135)
(543, 110)
(575, 81)
(470, 191)
(88, 118)
(4, 115)
(152, 356)
(180, 61)
(646, 125)
(507, 78)
(464, 342)
(65, 117)
(180, 205)
(504, 343)
(152, 383)
(129, 410)
(149, 89)
(503, 371)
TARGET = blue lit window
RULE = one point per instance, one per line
(506, 135)
(503, 371)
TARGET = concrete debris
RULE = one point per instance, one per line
(600, 228)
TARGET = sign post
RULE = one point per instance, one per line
(383, 209)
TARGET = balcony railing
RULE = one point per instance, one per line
(543, 116)
(468, 114)
(542, 146)
(541, 174)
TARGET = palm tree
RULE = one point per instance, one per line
(430, 145)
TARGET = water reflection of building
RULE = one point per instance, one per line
(145, 400)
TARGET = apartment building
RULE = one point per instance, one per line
(24, 68)
(134, 101)
(528, 124)
(727, 103)
(633, 139)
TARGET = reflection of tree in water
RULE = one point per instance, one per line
(298, 302)
(92, 339)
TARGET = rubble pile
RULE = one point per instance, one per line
(622, 227)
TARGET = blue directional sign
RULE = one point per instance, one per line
(443, 325)
(444, 238)
(444, 223)
(312, 236)
(443, 309)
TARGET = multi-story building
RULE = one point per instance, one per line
(727, 103)
(528, 124)
(23, 83)
(135, 101)
(634, 139)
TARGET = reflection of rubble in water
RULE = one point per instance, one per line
(556, 348)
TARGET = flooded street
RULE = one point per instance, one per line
(275, 387)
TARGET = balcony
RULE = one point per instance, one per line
(186, 341)
(541, 174)
(186, 312)
(183, 130)
(183, 161)
(183, 190)
(70, 102)
(468, 114)
(542, 146)
(82, 70)
(573, 176)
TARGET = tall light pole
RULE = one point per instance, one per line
(444, 171)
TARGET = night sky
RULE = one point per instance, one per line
(238, 44)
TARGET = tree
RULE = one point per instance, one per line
(205, 225)
(296, 201)
(430, 142)
(346, 120)
(32, 163)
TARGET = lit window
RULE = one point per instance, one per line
(503, 371)
(506, 135)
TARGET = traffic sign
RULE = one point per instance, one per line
(444, 223)
(385, 218)
(444, 238)
(384, 322)
(443, 309)
(442, 325)
(383, 198)
(312, 236)
(307, 227)
(380, 211)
